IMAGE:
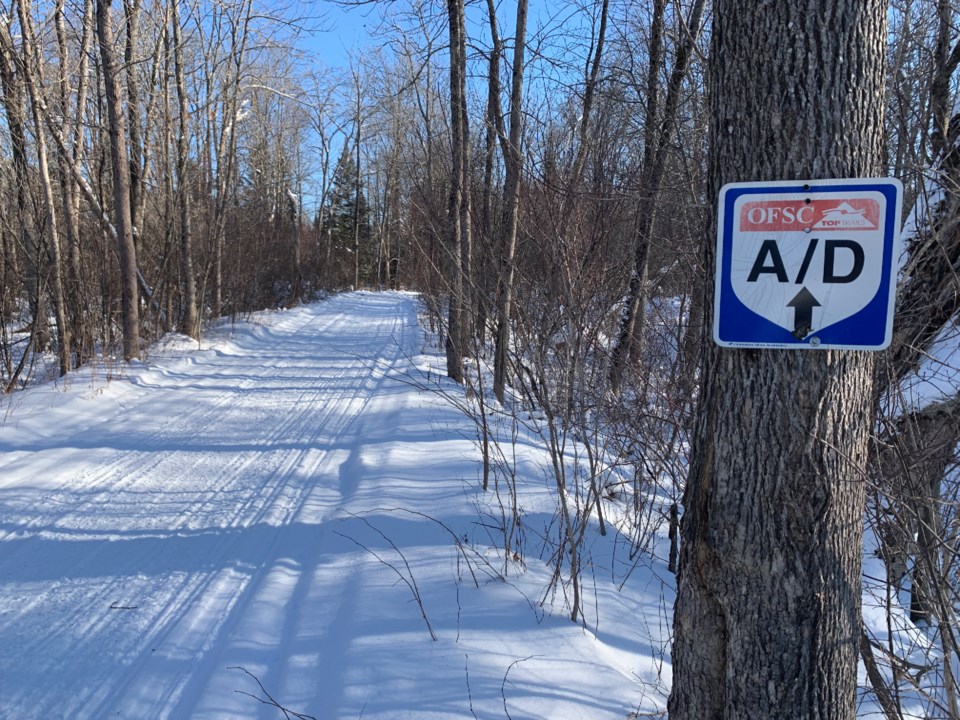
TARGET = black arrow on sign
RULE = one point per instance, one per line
(803, 305)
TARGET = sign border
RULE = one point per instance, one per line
(730, 314)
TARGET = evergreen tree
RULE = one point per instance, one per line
(346, 207)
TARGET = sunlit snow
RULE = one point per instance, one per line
(267, 508)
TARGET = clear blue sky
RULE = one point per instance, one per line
(349, 29)
(345, 30)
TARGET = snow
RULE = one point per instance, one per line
(292, 507)
(937, 378)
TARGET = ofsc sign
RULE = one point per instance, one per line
(807, 264)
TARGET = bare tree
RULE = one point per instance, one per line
(72, 128)
(121, 183)
(513, 155)
(32, 73)
(189, 320)
(660, 125)
(459, 207)
(13, 105)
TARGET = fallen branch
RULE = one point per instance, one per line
(114, 606)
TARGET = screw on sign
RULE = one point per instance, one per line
(807, 264)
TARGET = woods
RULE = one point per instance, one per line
(547, 179)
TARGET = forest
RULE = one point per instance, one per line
(545, 176)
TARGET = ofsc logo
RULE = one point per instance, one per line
(818, 214)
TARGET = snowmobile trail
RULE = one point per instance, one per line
(290, 509)
(166, 531)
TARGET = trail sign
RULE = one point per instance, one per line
(807, 264)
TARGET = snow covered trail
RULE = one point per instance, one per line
(254, 505)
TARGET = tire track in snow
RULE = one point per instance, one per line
(129, 464)
(274, 559)
(299, 447)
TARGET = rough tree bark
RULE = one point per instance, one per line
(767, 616)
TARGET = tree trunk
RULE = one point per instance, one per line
(32, 70)
(72, 126)
(513, 155)
(189, 323)
(660, 127)
(929, 294)
(226, 146)
(492, 131)
(356, 193)
(13, 106)
(458, 208)
(131, 12)
(767, 616)
(293, 200)
(121, 185)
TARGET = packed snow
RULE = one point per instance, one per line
(286, 515)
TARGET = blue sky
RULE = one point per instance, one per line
(348, 32)
(351, 28)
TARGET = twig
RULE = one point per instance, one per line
(503, 685)
(287, 712)
(466, 670)
(410, 581)
(456, 540)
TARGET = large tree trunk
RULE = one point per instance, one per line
(121, 185)
(767, 616)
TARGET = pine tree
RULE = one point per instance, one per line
(337, 224)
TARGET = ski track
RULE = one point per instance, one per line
(184, 527)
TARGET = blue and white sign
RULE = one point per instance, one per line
(807, 264)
